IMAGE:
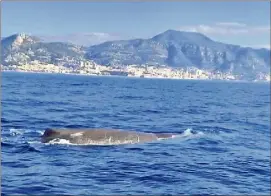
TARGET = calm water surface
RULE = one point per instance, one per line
(224, 146)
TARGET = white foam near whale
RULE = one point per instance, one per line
(186, 134)
(189, 133)
(14, 132)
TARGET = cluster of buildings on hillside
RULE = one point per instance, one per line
(147, 71)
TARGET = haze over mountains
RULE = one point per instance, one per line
(171, 48)
(83, 39)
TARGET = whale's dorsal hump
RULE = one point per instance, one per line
(50, 132)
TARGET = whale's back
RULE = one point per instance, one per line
(98, 136)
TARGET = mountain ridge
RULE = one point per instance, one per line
(177, 49)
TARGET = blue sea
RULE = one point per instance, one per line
(223, 148)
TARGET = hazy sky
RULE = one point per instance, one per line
(244, 23)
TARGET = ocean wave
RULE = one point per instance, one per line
(25, 149)
(4, 120)
(5, 144)
(18, 147)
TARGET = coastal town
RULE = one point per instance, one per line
(142, 71)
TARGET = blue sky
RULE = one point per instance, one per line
(244, 23)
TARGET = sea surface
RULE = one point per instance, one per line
(223, 148)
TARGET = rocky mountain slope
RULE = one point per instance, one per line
(22, 48)
(183, 49)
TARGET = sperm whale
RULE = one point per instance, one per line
(101, 136)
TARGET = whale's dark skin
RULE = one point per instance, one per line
(87, 136)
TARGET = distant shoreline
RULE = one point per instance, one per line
(135, 77)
